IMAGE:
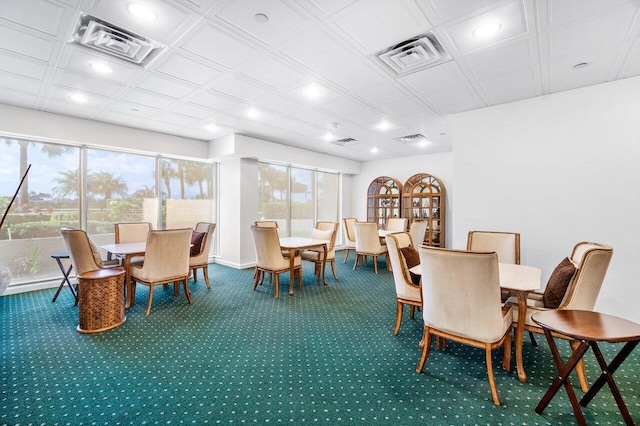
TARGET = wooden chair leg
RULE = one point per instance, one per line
(506, 355)
(257, 275)
(355, 264)
(205, 271)
(533, 339)
(375, 263)
(150, 299)
(412, 311)
(398, 317)
(187, 292)
(195, 274)
(492, 380)
(426, 345)
(333, 269)
(176, 288)
(580, 371)
(276, 282)
(346, 255)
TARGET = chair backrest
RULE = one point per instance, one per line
(349, 230)
(505, 244)
(328, 226)
(166, 254)
(367, 237)
(591, 261)
(132, 232)
(268, 251)
(418, 229)
(207, 228)
(324, 234)
(397, 224)
(401, 275)
(461, 293)
(80, 251)
(266, 223)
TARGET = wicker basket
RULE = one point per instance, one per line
(100, 300)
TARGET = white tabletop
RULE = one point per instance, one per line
(301, 242)
(125, 248)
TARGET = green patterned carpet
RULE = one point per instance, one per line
(324, 356)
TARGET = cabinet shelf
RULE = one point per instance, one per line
(423, 199)
(384, 198)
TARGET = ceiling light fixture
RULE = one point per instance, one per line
(374, 150)
(383, 125)
(328, 136)
(487, 29)
(78, 97)
(212, 127)
(261, 18)
(313, 91)
(142, 11)
(100, 67)
(253, 113)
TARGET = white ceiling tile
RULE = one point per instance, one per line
(498, 98)
(462, 107)
(22, 66)
(175, 118)
(384, 93)
(175, 64)
(69, 108)
(147, 98)
(300, 93)
(404, 107)
(452, 96)
(598, 61)
(228, 50)
(279, 103)
(312, 116)
(282, 20)
(273, 72)
(366, 117)
(316, 50)
(563, 11)
(26, 84)
(213, 100)
(584, 80)
(588, 34)
(505, 58)
(46, 17)
(283, 122)
(515, 81)
(376, 26)
(80, 59)
(356, 75)
(511, 17)
(343, 105)
(133, 109)
(171, 18)
(164, 86)
(324, 8)
(85, 83)
(238, 88)
(449, 8)
(62, 95)
(192, 110)
(26, 44)
(14, 97)
(435, 78)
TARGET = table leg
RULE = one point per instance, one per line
(292, 273)
(607, 375)
(563, 377)
(65, 279)
(324, 264)
(522, 316)
(130, 300)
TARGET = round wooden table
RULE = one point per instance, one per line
(588, 328)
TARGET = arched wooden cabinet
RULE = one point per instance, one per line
(383, 200)
(423, 199)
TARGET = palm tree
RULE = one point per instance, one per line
(67, 184)
(145, 192)
(200, 173)
(168, 172)
(107, 185)
(51, 150)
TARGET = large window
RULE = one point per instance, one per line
(297, 198)
(81, 187)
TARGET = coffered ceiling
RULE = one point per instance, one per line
(306, 73)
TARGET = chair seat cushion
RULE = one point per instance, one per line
(412, 258)
(196, 240)
(558, 283)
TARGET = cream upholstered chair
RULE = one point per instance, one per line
(417, 229)
(591, 261)
(407, 293)
(323, 231)
(350, 234)
(166, 261)
(132, 232)
(397, 224)
(368, 243)
(84, 253)
(461, 302)
(199, 257)
(266, 223)
(505, 244)
(269, 257)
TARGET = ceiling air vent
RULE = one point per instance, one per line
(418, 138)
(418, 53)
(345, 142)
(110, 39)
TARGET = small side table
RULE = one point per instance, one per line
(588, 328)
(58, 257)
(101, 300)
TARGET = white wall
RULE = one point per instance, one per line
(559, 169)
(61, 128)
(439, 165)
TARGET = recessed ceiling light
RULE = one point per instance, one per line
(142, 11)
(212, 127)
(487, 29)
(423, 143)
(374, 150)
(313, 91)
(261, 18)
(78, 97)
(383, 125)
(253, 113)
(328, 136)
(580, 65)
(100, 67)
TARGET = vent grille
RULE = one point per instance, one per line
(418, 138)
(107, 38)
(418, 53)
(345, 142)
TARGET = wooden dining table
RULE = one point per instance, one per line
(295, 244)
(128, 251)
(519, 280)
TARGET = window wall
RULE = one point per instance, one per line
(89, 188)
(296, 197)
